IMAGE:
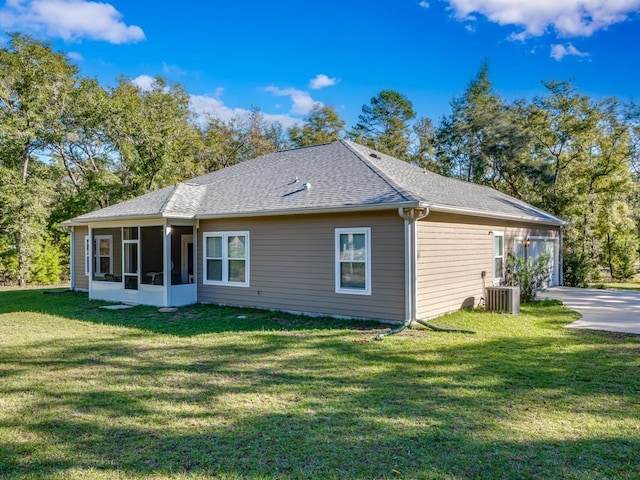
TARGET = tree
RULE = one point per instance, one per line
(241, 138)
(147, 128)
(322, 125)
(86, 153)
(475, 138)
(35, 84)
(424, 150)
(584, 149)
(384, 124)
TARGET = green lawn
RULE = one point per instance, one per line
(225, 393)
(633, 284)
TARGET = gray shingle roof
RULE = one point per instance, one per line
(342, 176)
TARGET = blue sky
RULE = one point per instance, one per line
(286, 56)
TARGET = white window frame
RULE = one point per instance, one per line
(96, 254)
(136, 274)
(87, 255)
(496, 277)
(338, 284)
(225, 259)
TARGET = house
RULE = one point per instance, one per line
(335, 229)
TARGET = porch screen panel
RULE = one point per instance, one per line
(131, 264)
(152, 255)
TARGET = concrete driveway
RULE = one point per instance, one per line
(610, 310)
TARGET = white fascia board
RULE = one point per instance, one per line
(310, 211)
(555, 221)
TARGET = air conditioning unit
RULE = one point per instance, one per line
(503, 299)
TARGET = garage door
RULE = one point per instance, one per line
(535, 248)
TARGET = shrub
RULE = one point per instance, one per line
(46, 266)
(528, 274)
(8, 261)
(577, 269)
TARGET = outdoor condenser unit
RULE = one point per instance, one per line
(503, 299)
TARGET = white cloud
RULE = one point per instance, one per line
(559, 51)
(144, 82)
(204, 107)
(569, 18)
(321, 81)
(70, 20)
(424, 4)
(302, 101)
(75, 56)
(172, 69)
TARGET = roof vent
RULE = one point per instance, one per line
(374, 155)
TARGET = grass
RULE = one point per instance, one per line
(225, 393)
(633, 284)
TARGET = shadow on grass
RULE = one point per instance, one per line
(372, 411)
(297, 446)
(288, 399)
(186, 321)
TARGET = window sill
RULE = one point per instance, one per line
(353, 292)
(225, 284)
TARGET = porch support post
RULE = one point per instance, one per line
(166, 255)
(91, 261)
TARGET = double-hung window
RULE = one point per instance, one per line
(103, 254)
(226, 258)
(353, 260)
(498, 256)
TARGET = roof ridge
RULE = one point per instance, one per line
(407, 194)
(170, 199)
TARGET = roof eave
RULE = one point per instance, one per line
(501, 216)
(76, 222)
(311, 211)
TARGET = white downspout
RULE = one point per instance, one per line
(411, 216)
(91, 261)
(407, 267)
(560, 265)
(72, 249)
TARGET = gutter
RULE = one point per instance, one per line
(310, 211)
(555, 221)
(261, 213)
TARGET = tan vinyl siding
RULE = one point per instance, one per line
(292, 265)
(453, 251)
(81, 281)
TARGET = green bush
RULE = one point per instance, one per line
(46, 267)
(577, 269)
(8, 261)
(623, 263)
(528, 274)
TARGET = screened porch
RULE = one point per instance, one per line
(149, 265)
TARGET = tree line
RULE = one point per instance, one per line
(69, 145)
